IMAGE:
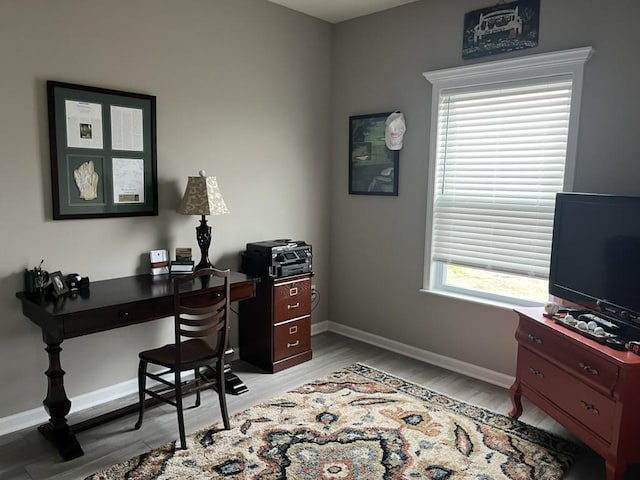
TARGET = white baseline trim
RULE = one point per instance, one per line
(37, 416)
(464, 368)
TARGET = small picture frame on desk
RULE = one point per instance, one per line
(58, 285)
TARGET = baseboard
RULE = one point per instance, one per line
(319, 327)
(36, 416)
(464, 368)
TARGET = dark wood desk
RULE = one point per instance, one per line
(109, 304)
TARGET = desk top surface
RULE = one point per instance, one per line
(119, 291)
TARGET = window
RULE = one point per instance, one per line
(503, 138)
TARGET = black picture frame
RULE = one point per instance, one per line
(501, 28)
(103, 152)
(373, 168)
(58, 284)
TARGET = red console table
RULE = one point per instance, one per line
(589, 388)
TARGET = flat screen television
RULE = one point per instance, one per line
(595, 255)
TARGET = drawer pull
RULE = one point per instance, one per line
(295, 305)
(293, 330)
(590, 408)
(535, 372)
(293, 291)
(534, 339)
(123, 314)
(588, 369)
(294, 344)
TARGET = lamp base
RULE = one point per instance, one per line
(203, 264)
(203, 235)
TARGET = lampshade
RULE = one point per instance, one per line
(202, 197)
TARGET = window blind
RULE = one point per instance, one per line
(500, 161)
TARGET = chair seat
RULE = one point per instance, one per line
(194, 351)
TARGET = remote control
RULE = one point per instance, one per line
(590, 317)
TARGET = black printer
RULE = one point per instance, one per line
(277, 258)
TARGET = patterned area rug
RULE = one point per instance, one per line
(359, 423)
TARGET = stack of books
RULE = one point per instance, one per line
(183, 264)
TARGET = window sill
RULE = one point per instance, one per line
(479, 300)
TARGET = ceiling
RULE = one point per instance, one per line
(334, 11)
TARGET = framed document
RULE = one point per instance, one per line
(103, 152)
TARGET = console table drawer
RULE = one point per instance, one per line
(594, 410)
(107, 318)
(291, 338)
(586, 364)
(291, 299)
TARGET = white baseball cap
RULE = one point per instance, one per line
(394, 132)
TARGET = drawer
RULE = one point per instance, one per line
(291, 338)
(591, 408)
(100, 319)
(291, 299)
(584, 363)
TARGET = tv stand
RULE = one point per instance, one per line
(589, 388)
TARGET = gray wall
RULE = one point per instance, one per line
(377, 243)
(260, 96)
(242, 91)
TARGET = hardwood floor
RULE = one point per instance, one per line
(26, 455)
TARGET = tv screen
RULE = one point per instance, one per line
(595, 254)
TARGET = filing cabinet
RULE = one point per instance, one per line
(275, 326)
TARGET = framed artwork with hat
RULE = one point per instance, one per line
(375, 141)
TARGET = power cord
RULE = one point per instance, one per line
(315, 298)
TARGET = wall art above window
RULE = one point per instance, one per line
(501, 28)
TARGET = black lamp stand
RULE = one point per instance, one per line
(203, 234)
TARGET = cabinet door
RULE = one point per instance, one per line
(291, 299)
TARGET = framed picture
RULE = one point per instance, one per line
(501, 28)
(103, 152)
(58, 285)
(373, 168)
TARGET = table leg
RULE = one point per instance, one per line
(57, 404)
(516, 400)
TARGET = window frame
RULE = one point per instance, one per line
(568, 63)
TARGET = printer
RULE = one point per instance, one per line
(277, 258)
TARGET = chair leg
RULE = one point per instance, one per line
(222, 397)
(178, 382)
(142, 381)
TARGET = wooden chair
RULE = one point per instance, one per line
(194, 325)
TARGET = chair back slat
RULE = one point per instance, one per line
(202, 333)
(203, 309)
(202, 320)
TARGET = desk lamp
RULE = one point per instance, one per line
(202, 197)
